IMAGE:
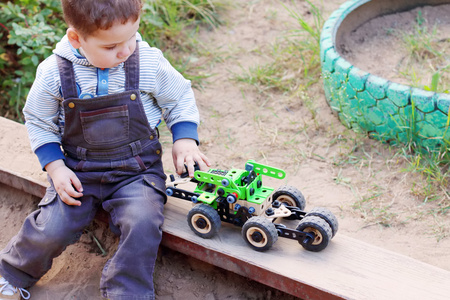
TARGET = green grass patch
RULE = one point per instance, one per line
(295, 57)
(428, 52)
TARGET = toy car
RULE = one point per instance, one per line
(239, 197)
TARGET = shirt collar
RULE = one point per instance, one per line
(75, 52)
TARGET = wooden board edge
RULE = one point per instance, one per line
(245, 268)
(21, 183)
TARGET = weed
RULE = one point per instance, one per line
(433, 167)
(295, 58)
(428, 53)
(439, 229)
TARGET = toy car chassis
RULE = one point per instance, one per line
(238, 197)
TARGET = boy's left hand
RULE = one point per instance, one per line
(186, 152)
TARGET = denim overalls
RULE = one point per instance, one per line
(110, 146)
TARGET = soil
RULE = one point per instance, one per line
(385, 39)
(362, 181)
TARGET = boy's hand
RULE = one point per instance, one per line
(185, 151)
(66, 183)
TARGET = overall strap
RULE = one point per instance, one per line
(67, 78)
(132, 70)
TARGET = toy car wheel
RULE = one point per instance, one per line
(327, 215)
(290, 196)
(319, 228)
(260, 233)
(204, 221)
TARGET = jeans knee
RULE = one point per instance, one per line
(144, 225)
(58, 236)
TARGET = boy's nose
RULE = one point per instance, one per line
(125, 52)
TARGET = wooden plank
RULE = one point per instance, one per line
(346, 269)
(16, 154)
(22, 183)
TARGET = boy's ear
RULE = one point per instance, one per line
(74, 37)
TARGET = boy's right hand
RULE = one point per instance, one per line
(66, 183)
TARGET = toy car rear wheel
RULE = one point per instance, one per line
(204, 221)
(327, 215)
(290, 196)
(260, 233)
(319, 228)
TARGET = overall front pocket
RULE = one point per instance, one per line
(46, 209)
(105, 126)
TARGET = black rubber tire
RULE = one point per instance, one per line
(321, 230)
(204, 221)
(291, 196)
(259, 228)
(390, 112)
(328, 216)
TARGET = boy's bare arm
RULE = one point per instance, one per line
(66, 183)
(186, 152)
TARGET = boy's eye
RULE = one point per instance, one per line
(110, 47)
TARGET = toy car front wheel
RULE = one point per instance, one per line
(320, 233)
(204, 221)
(290, 196)
(260, 233)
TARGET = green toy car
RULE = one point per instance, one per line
(239, 197)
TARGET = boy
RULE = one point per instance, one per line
(99, 98)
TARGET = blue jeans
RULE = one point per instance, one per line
(135, 200)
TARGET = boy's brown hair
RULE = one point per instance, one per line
(87, 16)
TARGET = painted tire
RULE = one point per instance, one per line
(390, 112)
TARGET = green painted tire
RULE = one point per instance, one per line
(390, 112)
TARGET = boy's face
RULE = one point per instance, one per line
(106, 48)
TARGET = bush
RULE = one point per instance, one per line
(29, 30)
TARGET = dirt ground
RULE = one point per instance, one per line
(386, 39)
(362, 181)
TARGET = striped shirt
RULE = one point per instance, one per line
(164, 93)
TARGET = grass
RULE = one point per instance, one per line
(427, 52)
(299, 45)
(173, 27)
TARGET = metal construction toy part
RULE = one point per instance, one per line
(238, 197)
